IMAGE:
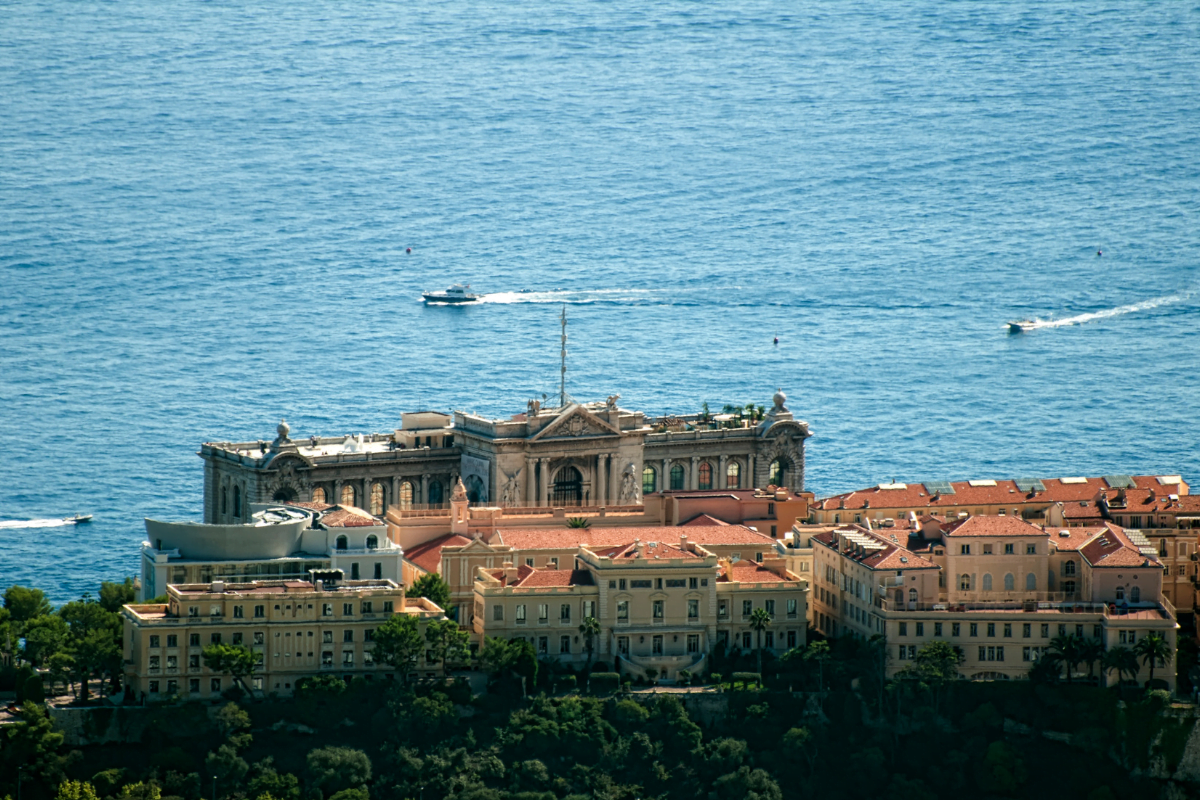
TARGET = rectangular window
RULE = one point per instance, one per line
(194, 685)
(692, 583)
(982, 653)
(368, 660)
(193, 640)
(589, 609)
(369, 635)
(347, 658)
(658, 609)
(564, 613)
(260, 611)
(1000, 653)
(693, 643)
(937, 629)
(215, 638)
(1008, 630)
(1008, 549)
(237, 638)
(153, 687)
(366, 607)
(904, 629)
(791, 608)
(747, 608)
(564, 644)
(623, 610)
(955, 629)
(154, 641)
(693, 609)
(1045, 631)
(769, 640)
(1079, 631)
(193, 611)
(987, 549)
(154, 662)
(747, 640)
(974, 628)
(521, 614)
(347, 609)
(903, 653)
(1062, 630)
(529, 562)
(172, 640)
(656, 646)
(388, 606)
(348, 636)
(239, 612)
(622, 584)
(623, 645)
(543, 613)
(327, 609)
(552, 563)
(991, 630)
(1031, 549)
(326, 637)
(498, 613)
(640, 584)
(791, 639)
(769, 605)
(172, 662)
(543, 645)
(965, 550)
(193, 662)
(722, 608)
(259, 637)
(677, 583)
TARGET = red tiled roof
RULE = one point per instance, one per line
(1112, 548)
(648, 550)
(749, 572)
(1075, 537)
(887, 558)
(703, 519)
(1082, 510)
(914, 495)
(310, 506)
(428, 556)
(349, 517)
(556, 577)
(599, 538)
(993, 526)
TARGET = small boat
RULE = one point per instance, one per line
(78, 518)
(454, 294)
(1021, 326)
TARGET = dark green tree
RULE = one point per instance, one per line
(44, 636)
(1121, 660)
(447, 642)
(115, 595)
(332, 769)
(235, 660)
(1153, 649)
(399, 642)
(590, 630)
(24, 603)
(93, 641)
(433, 587)
(760, 620)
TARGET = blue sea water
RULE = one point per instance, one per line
(205, 207)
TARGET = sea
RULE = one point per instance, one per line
(218, 214)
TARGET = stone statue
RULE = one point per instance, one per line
(629, 487)
(611, 403)
(510, 494)
(534, 407)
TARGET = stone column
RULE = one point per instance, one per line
(425, 488)
(753, 482)
(694, 476)
(394, 497)
(530, 481)
(542, 499)
(601, 491)
(365, 502)
(337, 492)
(665, 477)
(722, 465)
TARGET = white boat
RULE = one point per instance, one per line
(456, 293)
(78, 518)
(1021, 326)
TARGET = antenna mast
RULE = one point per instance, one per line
(562, 398)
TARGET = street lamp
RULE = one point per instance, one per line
(214, 797)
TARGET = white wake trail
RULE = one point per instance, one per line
(1092, 316)
(570, 297)
(34, 523)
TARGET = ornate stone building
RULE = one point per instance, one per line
(582, 454)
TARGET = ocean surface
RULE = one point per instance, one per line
(205, 209)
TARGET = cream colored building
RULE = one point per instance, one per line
(295, 628)
(662, 603)
(999, 588)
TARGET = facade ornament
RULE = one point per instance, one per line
(611, 402)
(779, 399)
(511, 493)
(534, 407)
(460, 492)
(283, 429)
(577, 426)
(629, 487)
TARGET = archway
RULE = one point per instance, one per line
(568, 488)
(435, 493)
(476, 491)
(284, 494)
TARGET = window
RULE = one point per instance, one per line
(1010, 582)
(154, 641)
(193, 611)
(564, 613)
(964, 583)
(1008, 549)
(521, 614)
(155, 662)
(406, 495)
(677, 583)
(237, 501)
(791, 608)
(347, 658)
(238, 612)
(656, 646)
(987, 581)
(372, 542)
(937, 629)
(974, 628)
(543, 613)
(747, 607)
(649, 480)
(327, 637)
(543, 645)
(747, 640)
(920, 629)
(1031, 549)
(1135, 594)
(623, 610)
(388, 606)
(369, 635)
(903, 653)
(965, 550)
(1045, 631)
(552, 563)
(237, 638)
(215, 638)
(1068, 568)
(723, 608)
(259, 637)
(693, 607)
(956, 629)
(904, 629)
(657, 610)
(1031, 582)
(367, 608)
(677, 477)
(987, 549)
(347, 497)
(791, 639)
(376, 498)
(769, 605)
(705, 473)
(623, 645)
(775, 474)
(991, 630)
(733, 476)
(172, 640)
(194, 685)
(621, 584)
(342, 543)
(693, 643)
(498, 613)
(327, 658)
(260, 611)
(1008, 630)
(354, 571)
(327, 609)
(318, 495)
(193, 662)
(769, 640)
(1069, 587)
(564, 644)
(692, 583)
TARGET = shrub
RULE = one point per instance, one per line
(746, 679)
(683, 677)
(651, 673)
(715, 677)
(605, 682)
(566, 682)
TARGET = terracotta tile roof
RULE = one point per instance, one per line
(428, 556)
(749, 572)
(703, 519)
(984, 492)
(649, 550)
(1082, 510)
(892, 556)
(349, 517)
(556, 577)
(993, 526)
(1075, 537)
(310, 506)
(571, 538)
(1112, 548)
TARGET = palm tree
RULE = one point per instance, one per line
(1090, 652)
(1153, 648)
(1122, 661)
(578, 522)
(589, 629)
(760, 620)
(1067, 649)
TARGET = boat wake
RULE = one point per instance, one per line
(14, 524)
(1092, 316)
(571, 297)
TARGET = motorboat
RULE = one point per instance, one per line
(78, 518)
(1021, 326)
(456, 294)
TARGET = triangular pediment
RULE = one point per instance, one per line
(576, 422)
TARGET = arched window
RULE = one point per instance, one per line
(1135, 594)
(1068, 568)
(733, 476)
(676, 477)
(1031, 582)
(987, 581)
(237, 501)
(342, 544)
(406, 495)
(1068, 587)
(568, 487)
(318, 495)
(649, 480)
(912, 595)
(347, 498)
(224, 500)
(1120, 592)
(377, 498)
(284, 494)
(705, 474)
(435, 493)
(372, 542)
(1010, 582)
(776, 476)
(964, 583)
(476, 491)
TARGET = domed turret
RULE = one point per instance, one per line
(780, 398)
(283, 429)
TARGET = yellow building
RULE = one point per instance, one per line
(295, 629)
(663, 604)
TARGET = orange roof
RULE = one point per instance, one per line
(1075, 537)
(646, 550)
(1112, 548)
(993, 526)
(703, 519)
(1082, 510)
(428, 556)
(599, 538)
(349, 517)
(892, 556)
(749, 572)
(310, 506)
(529, 577)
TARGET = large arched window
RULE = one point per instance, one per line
(568, 488)
(347, 498)
(649, 480)
(987, 581)
(1031, 582)
(237, 501)
(676, 477)
(776, 476)
(733, 476)
(435, 493)
(342, 543)
(406, 495)
(318, 495)
(1135, 594)
(705, 475)
(1010, 582)
(1068, 568)
(964, 583)
(377, 498)
(372, 542)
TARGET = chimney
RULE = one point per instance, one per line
(866, 503)
(1153, 496)
(683, 542)
(217, 587)
(510, 573)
